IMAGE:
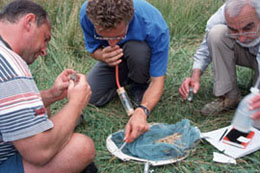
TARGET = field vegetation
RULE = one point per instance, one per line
(186, 20)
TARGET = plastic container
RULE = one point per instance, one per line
(241, 120)
(190, 94)
(125, 101)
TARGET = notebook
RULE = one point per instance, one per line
(237, 138)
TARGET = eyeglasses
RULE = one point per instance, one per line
(246, 34)
(109, 38)
(112, 38)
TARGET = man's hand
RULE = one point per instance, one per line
(193, 81)
(112, 55)
(79, 92)
(136, 126)
(61, 84)
(255, 104)
(186, 84)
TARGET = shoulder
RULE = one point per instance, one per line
(82, 12)
(148, 14)
(217, 18)
(144, 7)
(12, 64)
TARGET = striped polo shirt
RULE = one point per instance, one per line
(22, 113)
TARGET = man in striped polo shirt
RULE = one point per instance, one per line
(30, 141)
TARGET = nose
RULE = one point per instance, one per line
(44, 52)
(112, 42)
(242, 38)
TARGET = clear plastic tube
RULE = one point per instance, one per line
(125, 101)
(190, 94)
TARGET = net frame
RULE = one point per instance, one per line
(115, 151)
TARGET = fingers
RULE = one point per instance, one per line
(134, 129)
(196, 87)
(112, 55)
(256, 116)
(71, 84)
(80, 91)
(115, 60)
(136, 132)
(65, 74)
(81, 82)
(186, 84)
(127, 132)
(254, 102)
(66, 77)
(184, 88)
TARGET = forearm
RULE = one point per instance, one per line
(97, 54)
(48, 97)
(196, 73)
(153, 93)
(137, 123)
(64, 124)
(45, 145)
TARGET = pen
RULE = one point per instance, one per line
(223, 135)
(122, 146)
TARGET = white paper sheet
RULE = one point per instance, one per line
(234, 152)
(221, 158)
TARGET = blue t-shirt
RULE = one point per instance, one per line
(147, 25)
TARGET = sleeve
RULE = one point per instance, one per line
(202, 57)
(22, 113)
(91, 44)
(258, 58)
(158, 39)
(159, 53)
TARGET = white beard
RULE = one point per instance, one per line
(252, 44)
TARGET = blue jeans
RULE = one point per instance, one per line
(13, 164)
(134, 68)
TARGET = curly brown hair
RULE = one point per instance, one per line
(109, 13)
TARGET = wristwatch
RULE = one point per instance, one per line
(145, 109)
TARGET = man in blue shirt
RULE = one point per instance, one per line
(232, 39)
(132, 35)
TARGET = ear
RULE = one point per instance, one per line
(29, 20)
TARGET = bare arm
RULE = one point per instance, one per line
(39, 149)
(137, 124)
(154, 92)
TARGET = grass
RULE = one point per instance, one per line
(186, 20)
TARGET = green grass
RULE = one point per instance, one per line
(186, 20)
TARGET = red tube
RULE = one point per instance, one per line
(117, 77)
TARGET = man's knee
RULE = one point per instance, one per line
(138, 56)
(137, 50)
(101, 99)
(85, 147)
(217, 35)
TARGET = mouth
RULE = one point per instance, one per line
(247, 41)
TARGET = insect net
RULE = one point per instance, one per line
(161, 142)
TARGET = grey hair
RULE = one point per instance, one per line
(234, 7)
